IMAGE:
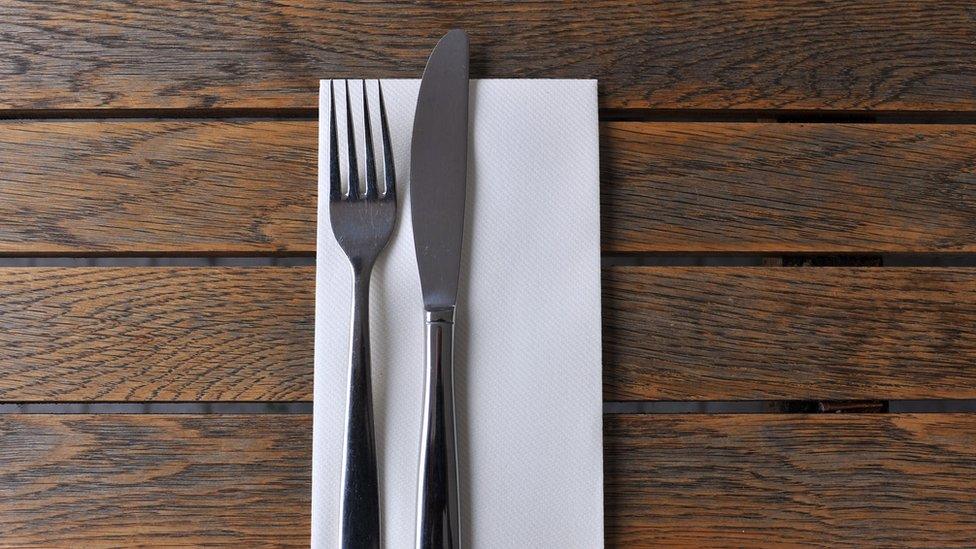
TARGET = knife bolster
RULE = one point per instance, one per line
(439, 315)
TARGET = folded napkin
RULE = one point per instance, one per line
(527, 355)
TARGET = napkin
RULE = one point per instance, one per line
(527, 337)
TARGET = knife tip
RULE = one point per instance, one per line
(455, 34)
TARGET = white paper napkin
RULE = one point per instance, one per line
(528, 358)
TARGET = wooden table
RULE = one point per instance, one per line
(765, 165)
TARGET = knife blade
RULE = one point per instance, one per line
(438, 166)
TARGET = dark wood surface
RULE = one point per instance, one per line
(137, 480)
(178, 128)
(741, 333)
(800, 54)
(672, 480)
(148, 187)
(773, 188)
(245, 334)
(248, 187)
(156, 334)
(854, 480)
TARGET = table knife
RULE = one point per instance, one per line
(438, 166)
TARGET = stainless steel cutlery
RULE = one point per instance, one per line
(362, 222)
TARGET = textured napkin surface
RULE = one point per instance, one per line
(527, 355)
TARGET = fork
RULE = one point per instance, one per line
(362, 224)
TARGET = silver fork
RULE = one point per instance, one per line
(362, 224)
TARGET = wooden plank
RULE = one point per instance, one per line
(788, 333)
(798, 54)
(215, 187)
(134, 480)
(675, 480)
(679, 187)
(873, 480)
(156, 334)
(248, 187)
(186, 334)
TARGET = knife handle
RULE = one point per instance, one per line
(438, 506)
(360, 506)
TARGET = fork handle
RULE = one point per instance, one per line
(360, 507)
(437, 499)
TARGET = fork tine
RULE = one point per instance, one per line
(353, 193)
(335, 177)
(389, 171)
(368, 140)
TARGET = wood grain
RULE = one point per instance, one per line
(159, 334)
(799, 54)
(873, 480)
(215, 187)
(248, 187)
(137, 480)
(679, 187)
(744, 333)
(672, 480)
(156, 334)
(186, 334)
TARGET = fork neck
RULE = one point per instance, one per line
(361, 267)
(361, 272)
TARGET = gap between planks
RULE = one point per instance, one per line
(605, 115)
(919, 406)
(608, 260)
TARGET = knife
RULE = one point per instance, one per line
(438, 172)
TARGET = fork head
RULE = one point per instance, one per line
(362, 222)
